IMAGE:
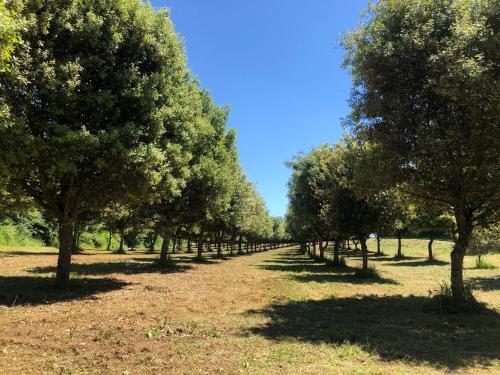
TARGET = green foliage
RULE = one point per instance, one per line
(443, 301)
(426, 98)
(482, 264)
(368, 273)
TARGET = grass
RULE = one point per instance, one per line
(271, 312)
(483, 264)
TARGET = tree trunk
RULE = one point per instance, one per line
(364, 250)
(219, 248)
(378, 245)
(174, 244)
(240, 239)
(108, 247)
(64, 257)
(336, 258)
(303, 247)
(200, 247)
(153, 243)
(462, 239)
(189, 249)
(429, 248)
(321, 250)
(400, 253)
(122, 240)
(164, 249)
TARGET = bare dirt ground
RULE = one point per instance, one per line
(275, 312)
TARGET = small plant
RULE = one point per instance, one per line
(442, 300)
(369, 273)
(482, 264)
(160, 330)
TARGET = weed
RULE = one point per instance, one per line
(369, 273)
(482, 264)
(442, 300)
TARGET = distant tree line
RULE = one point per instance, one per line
(101, 123)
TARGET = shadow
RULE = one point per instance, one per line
(485, 283)
(16, 253)
(26, 290)
(421, 263)
(394, 328)
(304, 269)
(125, 268)
(348, 277)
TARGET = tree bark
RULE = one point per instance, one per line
(122, 240)
(336, 258)
(321, 250)
(378, 245)
(108, 247)
(364, 250)
(429, 248)
(200, 246)
(64, 257)
(174, 244)
(164, 249)
(462, 239)
(189, 248)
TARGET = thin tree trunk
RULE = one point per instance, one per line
(64, 257)
(122, 240)
(200, 246)
(174, 244)
(364, 250)
(189, 249)
(164, 249)
(462, 239)
(108, 247)
(378, 245)
(336, 258)
(321, 250)
(240, 239)
(429, 248)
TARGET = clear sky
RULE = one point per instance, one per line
(276, 63)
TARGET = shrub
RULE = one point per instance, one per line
(442, 300)
(482, 264)
(369, 273)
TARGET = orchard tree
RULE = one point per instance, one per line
(91, 106)
(425, 94)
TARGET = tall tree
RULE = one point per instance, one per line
(426, 76)
(90, 108)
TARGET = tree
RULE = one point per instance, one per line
(431, 220)
(91, 106)
(426, 95)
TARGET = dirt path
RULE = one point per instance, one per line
(271, 312)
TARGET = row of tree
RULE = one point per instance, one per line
(424, 125)
(100, 120)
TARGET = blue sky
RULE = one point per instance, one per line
(276, 63)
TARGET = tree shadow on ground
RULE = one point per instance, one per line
(27, 290)
(395, 328)
(486, 283)
(126, 268)
(304, 269)
(420, 263)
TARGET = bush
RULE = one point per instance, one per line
(369, 273)
(441, 300)
(482, 264)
